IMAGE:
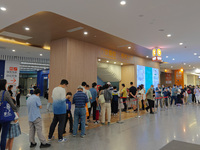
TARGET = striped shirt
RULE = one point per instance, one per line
(80, 99)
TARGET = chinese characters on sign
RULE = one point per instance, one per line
(156, 54)
(168, 78)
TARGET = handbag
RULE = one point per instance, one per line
(101, 99)
(6, 113)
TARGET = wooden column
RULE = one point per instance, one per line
(73, 60)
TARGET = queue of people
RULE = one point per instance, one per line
(89, 103)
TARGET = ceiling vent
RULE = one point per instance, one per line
(14, 35)
(75, 29)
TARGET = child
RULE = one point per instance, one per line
(114, 104)
(68, 114)
(14, 131)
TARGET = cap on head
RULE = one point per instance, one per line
(80, 87)
(108, 83)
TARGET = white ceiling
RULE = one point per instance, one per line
(139, 21)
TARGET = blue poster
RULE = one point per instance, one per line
(140, 75)
(155, 77)
(148, 77)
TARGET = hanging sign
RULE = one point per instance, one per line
(157, 55)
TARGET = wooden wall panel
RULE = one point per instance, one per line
(128, 75)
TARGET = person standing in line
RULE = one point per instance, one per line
(149, 96)
(46, 95)
(18, 93)
(106, 107)
(165, 94)
(174, 94)
(143, 96)
(35, 120)
(4, 126)
(133, 96)
(10, 87)
(94, 100)
(197, 94)
(124, 96)
(193, 95)
(59, 110)
(110, 87)
(80, 100)
(158, 96)
(114, 103)
(68, 114)
(189, 98)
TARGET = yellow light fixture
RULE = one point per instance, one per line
(181, 70)
(46, 47)
(12, 41)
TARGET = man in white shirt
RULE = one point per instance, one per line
(59, 110)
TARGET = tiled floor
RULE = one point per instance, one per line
(148, 132)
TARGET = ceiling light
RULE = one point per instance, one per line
(180, 43)
(195, 53)
(169, 35)
(27, 28)
(193, 67)
(147, 56)
(189, 65)
(121, 63)
(99, 59)
(3, 8)
(171, 66)
(114, 62)
(123, 2)
(13, 50)
(129, 47)
(40, 54)
(85, 33)
(173, 59)
(184, 63)
(107, 61)
(167, 56)
(199, 56)
(197, 70)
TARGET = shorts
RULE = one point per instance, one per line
(133, 101)
(14, 131)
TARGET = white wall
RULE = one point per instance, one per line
(191, 80)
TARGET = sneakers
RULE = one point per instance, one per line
(49, 139)
(45, 145)
(82, 136)
(86, 125)
(62, 140)
(33, 145)
(102, 123)
(95, 122)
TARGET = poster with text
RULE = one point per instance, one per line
(148, 77)
(155, 77)
(140, 75)
(12, 74)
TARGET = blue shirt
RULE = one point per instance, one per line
(33, 104)
(115, 95)
(174, 91)
(69, 104)
(80, 99)
(165, 93)
(94, 94)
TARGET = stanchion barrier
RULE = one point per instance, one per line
(138, 109)
(120, 110)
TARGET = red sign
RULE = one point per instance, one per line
(157, 58)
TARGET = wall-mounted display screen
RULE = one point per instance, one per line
(147, 76)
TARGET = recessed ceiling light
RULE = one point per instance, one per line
(13, 50)
(85, 33)
(167, 56)
(99, 59)
(129, 47)
(199, 56)
(171, 66)
(184, 63)
(121, 63)
(180, 43)
(189, 65)
(114, 62)
(193, 67)
(40, 54)
(107, 61)
(169, 35)
(147, 56)
(27, 28)
(3, 8)
(123, 2)
(173, 59)
(195, 53)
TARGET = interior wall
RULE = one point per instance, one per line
(191, 79)
(185, 79)
(128, 75)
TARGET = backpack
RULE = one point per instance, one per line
(6, 113)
